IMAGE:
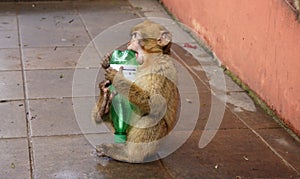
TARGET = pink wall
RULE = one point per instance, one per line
(258, 40)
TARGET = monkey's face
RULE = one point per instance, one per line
(134, 44)
(149, 37)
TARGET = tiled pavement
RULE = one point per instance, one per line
(48, 83)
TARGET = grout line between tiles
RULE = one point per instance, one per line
(267, 144)
(86, 30)
(60, 69)
(26, 102)
(189, 68)
(70, 135)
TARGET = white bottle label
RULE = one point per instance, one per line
(129, 71)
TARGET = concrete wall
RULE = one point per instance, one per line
(258, 40)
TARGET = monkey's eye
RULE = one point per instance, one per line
(135, 35)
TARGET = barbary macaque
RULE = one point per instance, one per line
(154, 93)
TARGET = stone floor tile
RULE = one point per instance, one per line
(86, 82)
(9, 39)
(65, 28)
(241, 101)
(120, 32)
(226, 156)
(59, 8)
(188, 66)
(61, 57)
(179, 35)
(189, 111)
(194, 53)
(52, 117)
(101, 5)
(215, 111)
(125, 170)
(11, 85)
(49, 83)
(8, 22)
(257, 119)
(13, 119)
(51, 57)
(89, 58)
(149, 8)
(284, 144)
(198, 113)
(146, 6)
(63, 157)
(8, 9)
(58, 83)
(186, 82)
(216, 78)
(10, 59)
(97, 16)
(156, 14)
(74, 157)
(14, 158)
(56, 117)
(190, 55)
(82, 108)
(232, 86)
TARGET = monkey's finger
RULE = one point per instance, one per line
(99, 151)
(110, 74)
(112, 95)
(105, 64)
(107, 107)
(106, 83)
(110, 70)
(103, 83)
(107, 56)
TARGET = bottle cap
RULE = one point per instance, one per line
(120, 138)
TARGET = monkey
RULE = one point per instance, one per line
(297, 6)
(154, 93)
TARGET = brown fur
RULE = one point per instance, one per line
(154, 93)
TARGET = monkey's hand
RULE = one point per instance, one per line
(103, 104)
(113, 75)
(105, 61)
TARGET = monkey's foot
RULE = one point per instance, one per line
(114, 151)
(102, 150)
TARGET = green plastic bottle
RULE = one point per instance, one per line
(121, 108)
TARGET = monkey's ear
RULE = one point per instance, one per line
(164, 39)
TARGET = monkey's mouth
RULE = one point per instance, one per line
(136, 53)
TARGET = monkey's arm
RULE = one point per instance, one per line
(149, 103)
(133, 92)
(148, 99)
